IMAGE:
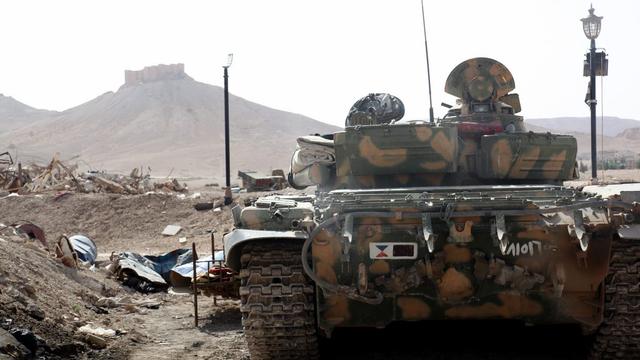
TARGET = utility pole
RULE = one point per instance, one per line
(591, 26)
(592, 106)
(227, 192)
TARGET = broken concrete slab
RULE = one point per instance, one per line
(95, 341)
(96, 330)
(110, 186)
(171, 230)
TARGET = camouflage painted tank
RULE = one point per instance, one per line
(464, 218)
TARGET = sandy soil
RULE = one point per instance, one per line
(121, 223)
(31, 281)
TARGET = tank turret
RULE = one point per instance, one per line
(481, 142)
(482, 85)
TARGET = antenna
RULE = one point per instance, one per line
(426, 50)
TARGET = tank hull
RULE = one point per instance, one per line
(461, 253)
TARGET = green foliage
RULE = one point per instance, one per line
(612, 164)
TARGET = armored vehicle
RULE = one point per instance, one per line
(463, 218)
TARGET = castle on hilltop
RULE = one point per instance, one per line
(155, 73)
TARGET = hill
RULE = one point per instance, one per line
(165, 120)
(612, 125)
(626, 143)
(14, 114)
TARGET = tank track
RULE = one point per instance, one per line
(619, 335)
(277, 302)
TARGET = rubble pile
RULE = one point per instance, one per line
(62, 296)
(11, 176)
(45, 304)
(59, 176)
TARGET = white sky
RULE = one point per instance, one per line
(318, 57)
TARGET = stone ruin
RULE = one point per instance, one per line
(155, 73)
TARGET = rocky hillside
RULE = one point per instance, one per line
(14, 114)
(612, 125)
(169, 123)
(621, 136)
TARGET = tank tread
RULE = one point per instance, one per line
(277, 302)
(619, 335)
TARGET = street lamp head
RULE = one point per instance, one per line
(229, 60)
(591, 25)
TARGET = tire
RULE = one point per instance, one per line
(277, 302)
(619, 335)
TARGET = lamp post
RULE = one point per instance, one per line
(591, 26)
(227, 192)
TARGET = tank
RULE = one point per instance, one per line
(463, 218)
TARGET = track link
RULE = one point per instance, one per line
(277, 302)
(619, 335)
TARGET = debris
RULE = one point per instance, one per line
(95, 341)
(27, 338)
(181, 275)
(84, 248)
(61, 194)
(88, 329)
(114, 302)
(110, 186)
(32, 231)
(27, 230)
(203, 206)
(74, 249)
(217, 210)
(148, 273)
(9, 345)
(68, 350)
(212, 277)
(35, 312)
(195, 196)
(171, 186)
(11, 178)
(61, 177)
(254, 181)
(171, 230)
(64, 251)
(182, 240)
(54, 176)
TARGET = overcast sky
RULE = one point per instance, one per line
(318, 57)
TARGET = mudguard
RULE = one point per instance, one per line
(236, 239)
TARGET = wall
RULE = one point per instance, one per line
(154, 73)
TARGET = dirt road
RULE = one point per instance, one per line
(170, 331)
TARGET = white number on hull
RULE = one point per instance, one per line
(531, 248)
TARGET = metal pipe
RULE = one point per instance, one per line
(195, 285)
(213, 264)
